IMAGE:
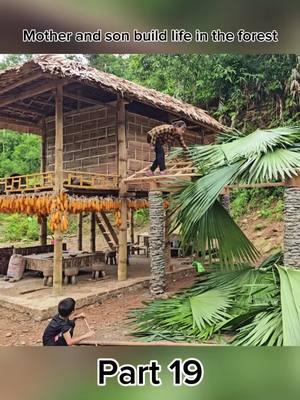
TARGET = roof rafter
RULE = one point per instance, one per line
(21, 82)
(19, 124)
(27, 93)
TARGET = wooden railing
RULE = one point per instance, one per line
(25, 183)
(45, 181)
(89, 180)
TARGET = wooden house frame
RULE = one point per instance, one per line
(93, 127)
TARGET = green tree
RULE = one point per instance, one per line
(244, 91)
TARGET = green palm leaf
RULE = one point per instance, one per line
(290, 303)
(217, 235)
(209, 308)
(197, 197)
(260, 141)
(265, 329)
(277, 164)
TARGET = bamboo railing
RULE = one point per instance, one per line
(71, 179)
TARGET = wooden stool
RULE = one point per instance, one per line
(97, 271)
(70, 275)
(111, 256)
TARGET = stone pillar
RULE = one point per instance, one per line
(292, 227)
(157, 243)
(167, 250)
(225, 201)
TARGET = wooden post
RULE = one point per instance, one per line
(43, 230)
(122, 168)
(93, 233)
(43, 219)
(79, 232)
(58, 187)
(132, 229)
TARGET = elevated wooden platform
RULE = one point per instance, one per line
(72, 180)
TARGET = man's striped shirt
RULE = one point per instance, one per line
(167, 135)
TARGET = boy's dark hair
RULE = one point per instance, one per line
(66, 307)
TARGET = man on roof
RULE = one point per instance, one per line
(165, 134)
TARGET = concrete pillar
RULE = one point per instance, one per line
(167, 250)
(157, 243)
(225, 201)
(292, 227)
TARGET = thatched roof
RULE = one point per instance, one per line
(95, 84)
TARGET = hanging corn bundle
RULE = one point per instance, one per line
(28, 205)
(59, 207)
(118, 219)
(59, 213)
(45, 204)
(137, 204)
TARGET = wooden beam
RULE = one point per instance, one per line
(78, 97)
(43, 230)
(122, 170)
(19, 125)
(20, 83)
(93, 233)
(255, 185)
(294, 181)
(58, 187)
(79, 233)
(28, 93)
(25, 109)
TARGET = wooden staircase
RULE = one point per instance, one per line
(107, 230)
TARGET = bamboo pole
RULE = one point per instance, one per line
(43, 230)
(43, 220)
(93, 233)
(132, 228)
(145, 344)
(122, 167)
(58, 187)
(79, 232)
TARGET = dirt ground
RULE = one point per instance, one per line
(109, 319)
(265, 234)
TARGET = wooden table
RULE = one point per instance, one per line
(73, 262)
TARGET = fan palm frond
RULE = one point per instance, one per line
(277, 164)
(265, 329)
(290, 303)
(261, 141)
(216, 235)
(209, 308)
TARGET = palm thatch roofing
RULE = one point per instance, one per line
(27, 95)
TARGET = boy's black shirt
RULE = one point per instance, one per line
(53, 335)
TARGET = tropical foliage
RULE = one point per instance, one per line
(262, 156)
(251, 307)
